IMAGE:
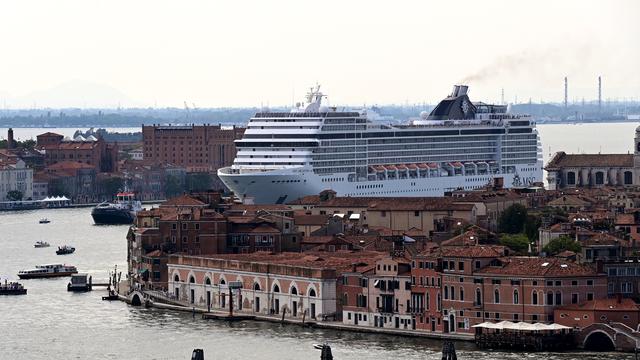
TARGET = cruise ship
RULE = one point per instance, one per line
(458, 145)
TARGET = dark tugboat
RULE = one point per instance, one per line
(122, 211)
(12, 288)
(80, 282)
(65, 249)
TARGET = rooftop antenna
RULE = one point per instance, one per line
(502, 97)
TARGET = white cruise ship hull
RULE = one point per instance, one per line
(286, 185)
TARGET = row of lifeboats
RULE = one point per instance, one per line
(429, 166)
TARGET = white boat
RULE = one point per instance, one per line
(458, 145)
(47, 271)
(41, 244)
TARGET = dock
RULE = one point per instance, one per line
(226, 317)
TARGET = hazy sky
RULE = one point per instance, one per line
(237, 53)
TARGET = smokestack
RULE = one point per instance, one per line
(599, 94)
(566, 92)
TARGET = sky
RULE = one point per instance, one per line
(90, 53)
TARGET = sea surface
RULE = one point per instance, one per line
(51, 323)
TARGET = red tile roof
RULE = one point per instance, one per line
(479, 251)
(562, 159)
(183, 200)
(68, 165)
(539, 267)
(612, 304)
(317, 220)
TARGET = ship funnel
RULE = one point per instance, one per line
(459, 90)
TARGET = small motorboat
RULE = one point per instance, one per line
(65, 249)
(44, 221)
(41, 244)
(12, 288)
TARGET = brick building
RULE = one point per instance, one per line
(98, 154)
(198, 148)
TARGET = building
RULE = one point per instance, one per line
(15, 176)
(286, 284)
(616, 309)
(96, 153)
(594, 170)
(197, 148)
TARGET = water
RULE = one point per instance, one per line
(51, 323)
(31, 133)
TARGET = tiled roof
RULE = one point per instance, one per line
(562, 159)
(603, 239)
(417, 204)
(183, 200)
(306, 200)
(265, 229)
(625, 219)
(539, 267)
(255, 208)
(612, 304)
(68, 165)
(77, 145)
(48, 133)
(568, 200)
(317, 220)
(479, 251)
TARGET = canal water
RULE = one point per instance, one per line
(51, 323)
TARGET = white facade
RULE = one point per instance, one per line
(16, 177)
(261, 294)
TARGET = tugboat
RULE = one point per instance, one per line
(12, 288)
(41, 244)
(47, 271)
(65, 249)
(122, 211)
(79, 282)
(44, 221)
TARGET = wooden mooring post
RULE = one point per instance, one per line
(448, 351)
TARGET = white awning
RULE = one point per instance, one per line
(521, 326)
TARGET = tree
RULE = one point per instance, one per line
(512, 220)
(14, 195)
(198, 181)
(531, 226)
(561, 244)
(516, 242)
(172, 186)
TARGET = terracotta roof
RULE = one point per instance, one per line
(603, 239)
(306, 200)
(77, 145)
(479, 251)
(254, 208)
(318, 220)
(183, 200)
(69, 165)
(568, 200)
(48, 133)
(566, 254)
(155, 253)
(265, 228)
(417, 204)
(562, 159)
(625, 219)
(612, 304)
(539, 267)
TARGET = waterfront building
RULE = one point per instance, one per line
(197, 148)
(612, 310)
(15, 176)
(76, 180)
(595, 170)
(286, 285)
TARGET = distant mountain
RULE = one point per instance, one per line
(76, 93)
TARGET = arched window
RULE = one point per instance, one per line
(478, 297)
(461, 293)
(516, 297)
(207, 281)
(222, 282)
(256, 287)
(628, 176)
(496, 296)
(294, 291)
(176, 278)
(192, 279)
(549, 298)
(276, 288)
(312, 293)
(571, 178)
(558, 298)
(446, 292)
(534, 298)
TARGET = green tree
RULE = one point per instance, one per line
(516, 242)
(14, 195)
(199, 181)
(531, 226)
(110, 186)
(561, 244)
(172, 186)
(512, 219)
